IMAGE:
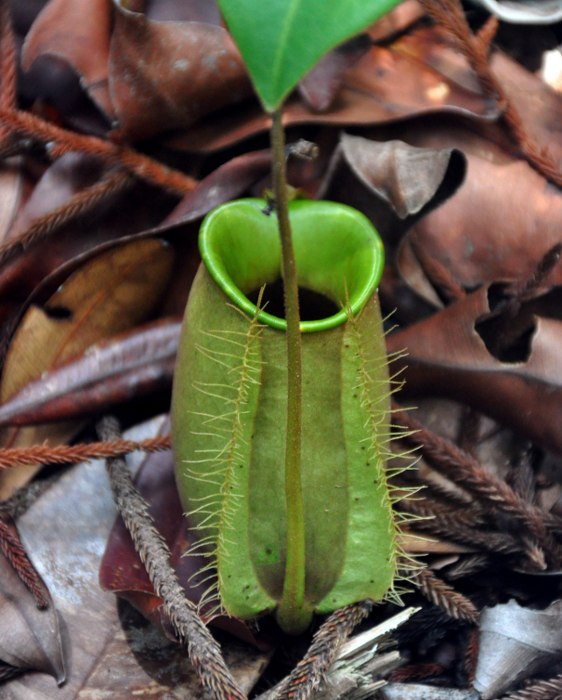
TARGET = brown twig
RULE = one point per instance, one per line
(82, 203)
(450, 15)
(59, 141)
(203, 650)
(8, 69)
(471, 655)
(311, 671)
(14, 551)
(468, 565)
(464, 469)
(415, 672)
(69, 454)
(543, 690)
(453, 526)
(440, 593)
(23, 498)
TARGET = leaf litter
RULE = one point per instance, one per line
(109, 146)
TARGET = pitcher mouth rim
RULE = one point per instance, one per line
(225, 282)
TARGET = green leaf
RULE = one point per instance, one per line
(280, 40)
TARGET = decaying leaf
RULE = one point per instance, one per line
(114, 291)
(448, 356)
(485, 233)
(400, 183)
(119, 369)
(165, 75)
(515, 643)
(78, 33)
(40, 267)
(322, 83)
(386, 85)
(29, 638)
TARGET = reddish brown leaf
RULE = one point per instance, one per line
(112, 292)
(499, 224)
(78, 33)
(227, 182)
(321, 84)
(165, 75)
(386, 85)
(139, 208)
(120, 369)
(447, 356)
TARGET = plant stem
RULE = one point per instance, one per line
(293, 614)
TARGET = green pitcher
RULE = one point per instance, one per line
(229, 408)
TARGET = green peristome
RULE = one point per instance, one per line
(230, 402)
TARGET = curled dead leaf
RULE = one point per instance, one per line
(450, 355)
(166, 75)
(386, 85)
(78, 33)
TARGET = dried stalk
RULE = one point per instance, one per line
(15, 506)
(543, 690)
(59, 141)
(311, 671)
(441, 594)
(471, 655)
(448, 459)
(8, 61)
(14, 551)
(468, 566)
(69, 454)
(203, 650)
(82, 203)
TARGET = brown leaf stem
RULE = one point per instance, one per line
(203, 650)
(415, 672)
(14, 551)
(471, 655)
(450, 460)
(437, 591)
(69, 454)
(309, 673)
(8, 68)
(543, 690)
(450, 15)
(82, 203)
(59, 141)
(453, 526)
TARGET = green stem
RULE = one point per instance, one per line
(293, 615)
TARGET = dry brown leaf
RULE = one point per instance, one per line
(76, 31)
(386, 85)
(111, 293)
(448, 357)
(165, 75)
